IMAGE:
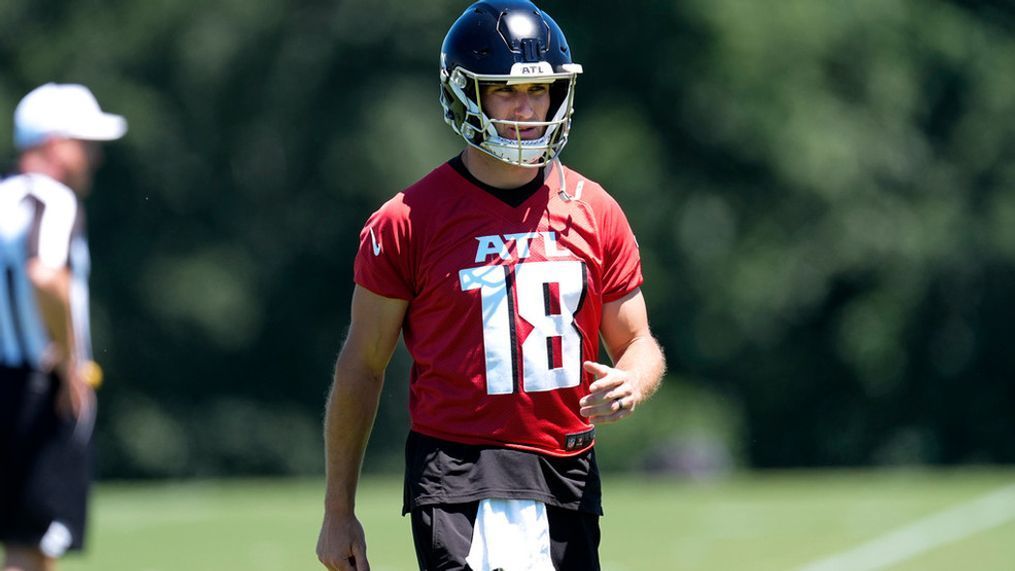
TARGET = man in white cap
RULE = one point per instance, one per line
(47, 375)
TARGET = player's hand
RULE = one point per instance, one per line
(75, 399)
(342, 544)
(612, 396)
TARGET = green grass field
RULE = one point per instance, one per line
(761, 522)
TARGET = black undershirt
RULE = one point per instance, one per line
(442, 472)
(511, 196)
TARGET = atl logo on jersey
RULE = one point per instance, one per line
(497, 244)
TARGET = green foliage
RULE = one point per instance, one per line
(223, 436)
(685, 429)
(822, 192)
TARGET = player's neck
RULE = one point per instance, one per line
(496, 173)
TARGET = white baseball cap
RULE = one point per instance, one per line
(67, 111)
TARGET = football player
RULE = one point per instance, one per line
(502, 269)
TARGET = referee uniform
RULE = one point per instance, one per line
(45, 459)
(47, 409)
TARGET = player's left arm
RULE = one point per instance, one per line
(638, 362)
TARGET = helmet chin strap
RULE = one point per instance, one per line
(520, 153)
(562, 193)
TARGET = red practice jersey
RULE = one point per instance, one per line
(505, 303)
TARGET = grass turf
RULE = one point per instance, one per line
(761, 522)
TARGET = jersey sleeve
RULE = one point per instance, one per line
(384, 261)
(622, 273)
(56, 217)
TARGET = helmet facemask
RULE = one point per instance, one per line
(463, 110)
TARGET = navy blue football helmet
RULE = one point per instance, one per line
(512, 42)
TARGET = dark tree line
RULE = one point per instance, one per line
(824, 194)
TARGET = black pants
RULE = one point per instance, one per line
(443, 536)
(45, 464)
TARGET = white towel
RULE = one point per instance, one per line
(510, 535)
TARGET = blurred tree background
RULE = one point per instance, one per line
(824, 193)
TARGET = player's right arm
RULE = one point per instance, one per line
(48, 270)
(52, 291)
(352, 405)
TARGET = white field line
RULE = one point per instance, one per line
(953, 524)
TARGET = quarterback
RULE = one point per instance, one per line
(502, 269)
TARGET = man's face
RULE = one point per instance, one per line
(522, 102)
(78, 160)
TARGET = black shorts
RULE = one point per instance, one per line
(443, 537)
(45, 466)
